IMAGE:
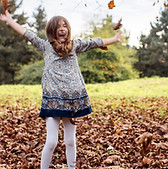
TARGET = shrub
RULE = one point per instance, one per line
(30, 74)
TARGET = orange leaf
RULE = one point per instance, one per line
(111, 4)
(165, 4)
(118, 132)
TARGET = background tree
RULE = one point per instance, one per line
(153, 51)
(30, 73)
(11, 57)
(40, 21)
(112, 65)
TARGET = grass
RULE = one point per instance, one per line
(10, 94)
(146, 87)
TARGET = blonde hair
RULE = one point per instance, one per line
(61, 48)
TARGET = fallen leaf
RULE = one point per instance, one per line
(146, 161)
(145, 139)
(118, 132)
(23, 135)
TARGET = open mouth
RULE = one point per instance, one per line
(62, 36)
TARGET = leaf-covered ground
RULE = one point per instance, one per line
(131, 134)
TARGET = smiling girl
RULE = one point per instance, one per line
(64, 92)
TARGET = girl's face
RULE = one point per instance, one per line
(62, 32)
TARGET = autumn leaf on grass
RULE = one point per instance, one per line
(5, 4)
(118, 25)
(145, 139)
(161, 145)
(146, 161)
(80, 162)
(118, 132)
(112, 159)
(111, 4)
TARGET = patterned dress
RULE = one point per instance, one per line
(64, 91)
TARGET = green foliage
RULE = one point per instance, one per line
(112, 65)
(40, 17)
(40, 22)
(30, 74)
(153, 52)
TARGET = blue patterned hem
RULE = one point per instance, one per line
(62, 113)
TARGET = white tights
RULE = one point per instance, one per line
(52, 140)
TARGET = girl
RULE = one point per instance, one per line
(64, 92)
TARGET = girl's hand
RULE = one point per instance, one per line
(118, 37)
(8, 19)
(115, 39)
(5, 17)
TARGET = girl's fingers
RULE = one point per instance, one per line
(119, 36)
(2, 17)
(6, 12)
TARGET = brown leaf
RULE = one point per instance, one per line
(146, 160)
(23, 135)
(162, 145)
(6, 4)
(162, 129)
(118, 132)
(107, 161)
(103, 48)
(118, 25)
(114, 157)
(145, 139)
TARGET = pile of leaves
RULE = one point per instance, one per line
(124, 136)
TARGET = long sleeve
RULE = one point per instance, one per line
(84, 45)
(35, 40)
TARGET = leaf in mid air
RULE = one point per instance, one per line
(118, 25)
(165, 4)
(5, 4)
(104, 48)
(111, 4)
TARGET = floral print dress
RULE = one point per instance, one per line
(64, 90)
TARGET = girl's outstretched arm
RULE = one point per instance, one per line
(115, 39)
(8, 19)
